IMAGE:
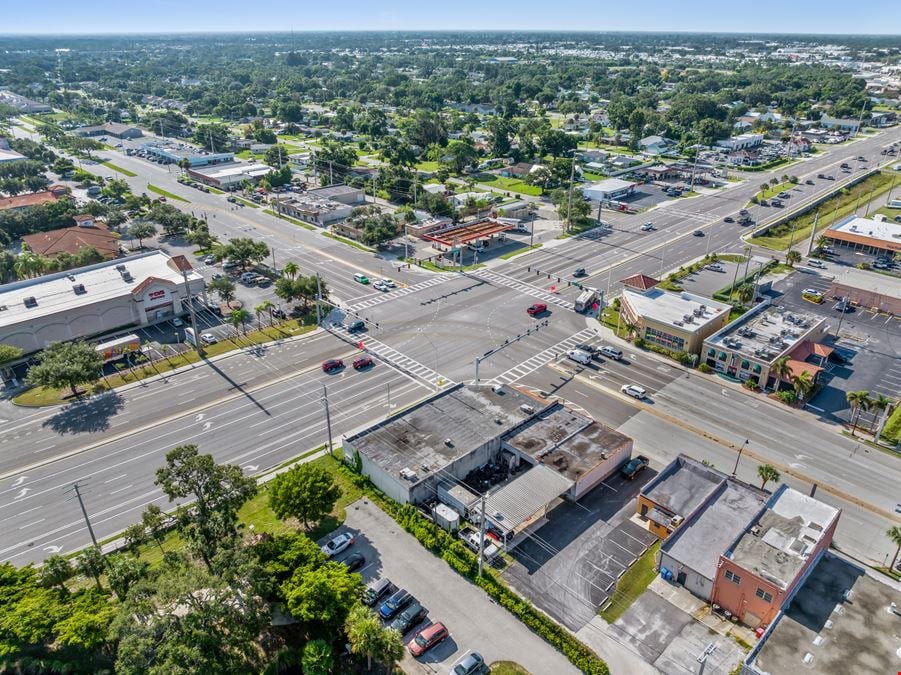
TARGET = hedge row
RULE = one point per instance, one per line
(464, 562)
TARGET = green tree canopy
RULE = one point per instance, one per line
(324, 596)
(307, 492)
(66, 365)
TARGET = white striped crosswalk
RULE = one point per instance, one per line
(399, 293)
(533, 363)
(517, 285)
(399, 360)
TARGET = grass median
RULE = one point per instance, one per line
(845, 202)
(165, 193)
(115, 167)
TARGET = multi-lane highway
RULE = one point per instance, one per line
(260, 409)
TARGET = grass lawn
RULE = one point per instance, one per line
(165, 193)
(774, 190)
(892, 430)
(244, 154)
(40, 396)
(349, 242)
(130, 174)
(290, 219)
(588, 175)
(512, 184)
(839, 206)
(609, 317)
(508, 668)
(519, 251)
(631, 585)
(430, 167)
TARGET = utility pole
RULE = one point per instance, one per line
(328, 419)
(318, 299)
(532, 228)
(482, 533)
(569, 205)
(813, 233)
(599, 211)
(161, 128)
(210, 136)
(740, 450)
(757, 281)
(84, 511)
(844, 303)
(198, 344)
(331, 173)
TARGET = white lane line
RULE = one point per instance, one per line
(49, 447)
(37, 522)
(111, 480)
(121, 489)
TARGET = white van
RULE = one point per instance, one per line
(579, 356)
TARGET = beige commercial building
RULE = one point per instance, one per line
(94, 300)
(679, 321)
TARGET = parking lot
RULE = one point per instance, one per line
(569, 566)
(869, 348)
(706, 281)
(475, 622)
(645, 196)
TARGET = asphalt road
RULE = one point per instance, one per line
(249, 422)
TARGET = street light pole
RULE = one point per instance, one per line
(740, 450)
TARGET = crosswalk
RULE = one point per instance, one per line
(374, 300)
(509, 282)
(399, 360)
(533, 363)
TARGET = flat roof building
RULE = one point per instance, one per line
(173, 153)
(96, 299)
(318, 211)
(343, 194)
(611, 188)
(674, 494)
(748, 347)
(116, 129)
(679, 321)
(228, 175)
(867, 235)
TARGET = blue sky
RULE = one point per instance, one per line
(135, 16)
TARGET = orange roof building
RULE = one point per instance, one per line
(86, 232)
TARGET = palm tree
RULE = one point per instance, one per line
(781, 370)
(630, 327)
(266, 306)
(793, 257)
(766, 473)
(745, 292)
(803, 384)
(880, 402)
(859, 401)
(239, 317)
(894, 534)
(29, 264)
(291, 270)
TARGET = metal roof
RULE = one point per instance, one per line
(518, 500)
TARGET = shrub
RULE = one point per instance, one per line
(787, 396)
(750, 385)
(704, 368)
(640, 343)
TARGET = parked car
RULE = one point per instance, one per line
(398, 600)
(177, 322)
(332, 365)
(536, 309)
(427, 638)
(842, 306)
(361, 278)
(209, 260)
(209, 339)
(363, 362)
(811, 291)
(634, 391)
(715, 267)
(337, 544)
(409, 617)
(472, 664)
(375, 591)
(354, 562)
(634, 467)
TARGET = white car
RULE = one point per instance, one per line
(388, 282)
(813, 262)
(811, 291)
(337, 544)
(209, 338)
(381, 286)
(648, 227)
(634, 391)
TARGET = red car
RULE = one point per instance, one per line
(536, 309)
(332, 365)
(363, 362)
(427, 638)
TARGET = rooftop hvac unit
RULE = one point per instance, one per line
(448, 442)
(30, 301)
(702, 308)
(79, 289)
(678, 323)
(121, 268)
(408, 474)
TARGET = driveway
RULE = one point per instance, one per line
(474, 621)
(570, 566)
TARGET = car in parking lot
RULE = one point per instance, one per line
(580, 272)
(177, 322)
(842, 306)
(633, 467)
(354, 562)
(715, 267)
(337, 544)
(375, 591)
(472, 664)
(783, 195)
(398, 600)
(811, 291)
(363, 362)
(332, 365)
(634, 391)
(536, 309)
(209, 339)
(361, 278)
(409, 617)
(427, 638)
(209, 260)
